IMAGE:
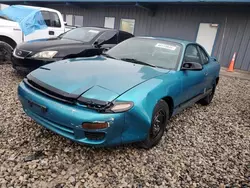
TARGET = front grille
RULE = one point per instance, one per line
(22, 53)
(95, 135)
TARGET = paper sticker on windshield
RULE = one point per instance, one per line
(166, 46)
(93, 31)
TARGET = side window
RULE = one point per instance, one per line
(46, 17)
(124, 36)
(54, 20)
(204, 56)
(192, 54)
(110, 37)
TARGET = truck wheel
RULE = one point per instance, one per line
(5, 52)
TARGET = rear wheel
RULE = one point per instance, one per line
(208, 99)
(158, 125)
(5, 52)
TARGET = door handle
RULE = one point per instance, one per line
(205, 73)
(51, 33)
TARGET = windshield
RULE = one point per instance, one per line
(5, 17)
(80, 34)
(151, 52)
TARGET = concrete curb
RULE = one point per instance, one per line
(236, 74)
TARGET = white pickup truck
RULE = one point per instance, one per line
(11, 33)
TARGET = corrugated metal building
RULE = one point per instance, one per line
(222, 26)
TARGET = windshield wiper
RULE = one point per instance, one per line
(109, 56)
(137, 61)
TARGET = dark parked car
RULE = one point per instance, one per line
(79, 42)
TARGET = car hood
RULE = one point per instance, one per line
(50, 44)
(97, 77)
(8, 23)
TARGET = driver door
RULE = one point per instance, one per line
(193, 81)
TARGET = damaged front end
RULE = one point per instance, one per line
(100, 106)
(76, 99)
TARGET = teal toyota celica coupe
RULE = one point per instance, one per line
(125, 95)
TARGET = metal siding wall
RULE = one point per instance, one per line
(237, 36)
(229, 41)
(241, 24)
(244, 46)
(246, 59)
(180, 22)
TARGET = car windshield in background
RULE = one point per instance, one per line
(5, 17)
(81, 34)
(151, 52)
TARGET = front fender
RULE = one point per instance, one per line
(13, 33)
(145, 96)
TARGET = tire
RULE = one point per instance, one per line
(5, 52)
(157, 129)
(208, 99)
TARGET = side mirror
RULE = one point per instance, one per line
(214, 58)
(99, 43)
(191, 66)
(65, 23)
(105, 50)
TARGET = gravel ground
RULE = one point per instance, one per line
(204, 147)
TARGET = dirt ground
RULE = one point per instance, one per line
(203, 147)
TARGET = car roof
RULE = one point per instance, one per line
(99, 28)
(180, 41)
(105, 29)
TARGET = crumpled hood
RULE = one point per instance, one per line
(98, 77)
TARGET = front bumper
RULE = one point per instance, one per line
(29, 64)
(66, 120)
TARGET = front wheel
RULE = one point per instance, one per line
(158, 125)
(5, 52)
